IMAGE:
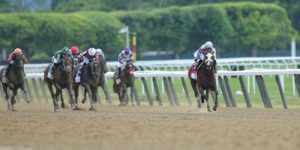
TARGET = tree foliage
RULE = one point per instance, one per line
(49, 32)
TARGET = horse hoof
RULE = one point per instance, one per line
(209, 110)
(27, 101)
(76, 108)
(63, 105)
(214, 108)
(82, 101)
(92, 109)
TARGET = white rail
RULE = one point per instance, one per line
(184, 73)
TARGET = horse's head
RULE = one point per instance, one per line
(95, 67)
(129, 69)
(18, 60)
(67, 64)
(209, 61)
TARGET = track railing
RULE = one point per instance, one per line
(149, 86)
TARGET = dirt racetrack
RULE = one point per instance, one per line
(35, 126)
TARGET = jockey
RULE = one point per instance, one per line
(10, 61)
(57, 60)
(85, 58)
(209, 47)
(199, 54)
(75, 53)
(102, 57)
(124, 57)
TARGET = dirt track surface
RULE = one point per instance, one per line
(35, 126)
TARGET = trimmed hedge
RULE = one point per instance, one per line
(50, 32)
(231, 26)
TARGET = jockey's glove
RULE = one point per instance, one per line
(12, 62)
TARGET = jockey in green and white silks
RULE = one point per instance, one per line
(57, 60)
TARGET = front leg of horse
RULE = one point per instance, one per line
(73, 102)
(13, 99)
(131, 95)
(84, 96)
(215, 97)
(206, 98)
(55, 100)
(25, 94)
(87, 87)
(5, 89)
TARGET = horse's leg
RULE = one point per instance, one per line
(71, 96)
(206, 98)
(76, 92)
(94, 97)
(215, 97)
(25, 93)
(126, 96)
(131, 95)
(57, 94)
(6, 91)
(84, 96)
(124, 92)
(119, 92)
(200, 95)
(87, 87)
(55, 105)
(13, 99)
(62, 100)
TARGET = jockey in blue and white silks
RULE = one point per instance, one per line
(124, 57)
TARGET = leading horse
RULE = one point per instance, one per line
(16, 80)
(62, 79)
(89, 80)
(205, 81)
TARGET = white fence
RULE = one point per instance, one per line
(223, 64)
(37, 87)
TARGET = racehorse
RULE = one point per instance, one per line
(206, 81)
(16, 80)
(101, 81)
(127, 80)
(62, 79)
(89, 80)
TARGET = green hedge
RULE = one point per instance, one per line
(231, 26)
(52, 31)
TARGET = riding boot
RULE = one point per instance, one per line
(50, 72)
(118, 80)
(78, 74)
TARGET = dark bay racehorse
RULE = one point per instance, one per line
(16, 80)
(101, 81)
(89, 80)
(127, 80)
(206, 81)
(62, 79)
